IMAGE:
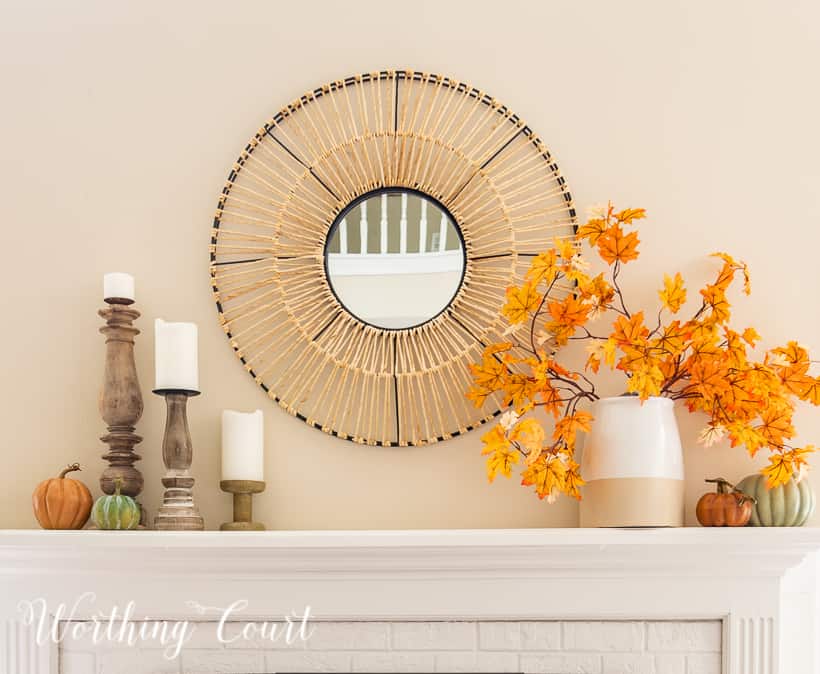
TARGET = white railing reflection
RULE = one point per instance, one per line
(393, 256)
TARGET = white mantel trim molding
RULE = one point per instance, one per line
(763, 583)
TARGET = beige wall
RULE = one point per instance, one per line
(120, 121)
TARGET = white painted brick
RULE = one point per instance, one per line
(548, 647)
(203, 635)
(709, 663)
(393, 661)
(359, 636)
(274, 638)
(77, 635)
(476, 662)
(541, 636)
(685, 637)
(603, 636)
(629, 663)
(670, 664)
(560, 664)
(77, 663)
(500, 636)
(434, 636)
(205, 661)
(134, 661)
(306, 661)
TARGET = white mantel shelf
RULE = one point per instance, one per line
(663, 552)
(761, 582)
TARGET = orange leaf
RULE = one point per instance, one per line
(570, 311)
(614, 245)
(628, 331)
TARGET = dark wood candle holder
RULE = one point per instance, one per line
(178, 511)
(242, 491)
(120, 401)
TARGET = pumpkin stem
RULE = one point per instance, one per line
(723, 485)
(70, 468)
(117, 485)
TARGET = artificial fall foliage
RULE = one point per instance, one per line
(701, 361)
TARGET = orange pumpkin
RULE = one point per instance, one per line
(726, 507)
(62, 504)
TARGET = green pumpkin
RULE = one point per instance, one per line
(788, 505)
(116, 511)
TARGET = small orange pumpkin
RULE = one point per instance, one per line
(727, 507)
(60, 503)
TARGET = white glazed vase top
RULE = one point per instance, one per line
(633, 465)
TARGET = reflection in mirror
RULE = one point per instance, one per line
(395, 259)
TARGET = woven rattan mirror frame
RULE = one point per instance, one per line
(388, 129)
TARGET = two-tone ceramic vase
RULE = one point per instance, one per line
(633, 465)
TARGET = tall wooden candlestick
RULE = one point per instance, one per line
(120, 400)
(178, 511)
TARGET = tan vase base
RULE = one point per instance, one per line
(633, 502)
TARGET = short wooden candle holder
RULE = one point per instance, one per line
(178, 511)
(242, 491)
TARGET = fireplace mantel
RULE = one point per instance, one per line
(762, 582)
(589, 553)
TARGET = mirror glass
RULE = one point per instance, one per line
(395, 258)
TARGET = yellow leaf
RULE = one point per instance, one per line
(751, 337)
(779, 471)
(592, 230)
(521, 302)
(501, 455)
(715, 299)
(743, 434)
(811, 393)
(601, 351)
(543, 268)
(547, 475)
(488, 377)
(673, 294)
(569, 426)
(672, 339)
(777, 425)
(794, 354)
(646, 381)
(529, 434)
(629, 214)
(565, 248)
(573, 481)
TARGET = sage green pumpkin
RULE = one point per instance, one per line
(789, 505)
(116, 511)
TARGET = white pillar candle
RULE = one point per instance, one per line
(117, 285)
(243, 446)
(175, 355)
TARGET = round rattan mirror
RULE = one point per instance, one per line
(363, 243)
